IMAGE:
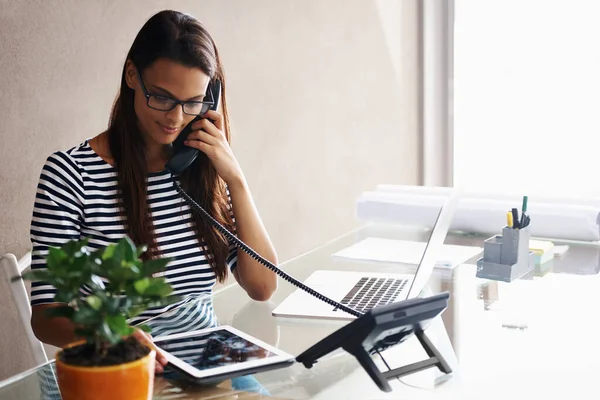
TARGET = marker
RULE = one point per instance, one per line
(515, 216)
(509, 219)
(523, 211)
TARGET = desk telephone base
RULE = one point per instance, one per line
(381, 328)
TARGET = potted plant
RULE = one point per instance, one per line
(107, 360)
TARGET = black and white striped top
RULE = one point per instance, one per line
(77, 197)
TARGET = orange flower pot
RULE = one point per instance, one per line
(133, 380)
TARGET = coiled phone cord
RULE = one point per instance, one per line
(244, 247)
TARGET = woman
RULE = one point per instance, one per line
(115, 184)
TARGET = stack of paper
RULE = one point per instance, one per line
(407, 252)
(543, 250)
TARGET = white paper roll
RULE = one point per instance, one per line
(419, 206)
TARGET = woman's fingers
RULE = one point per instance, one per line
(158, 368)
(202, 136)
(216, 117)
(146, 339)
(209, 127)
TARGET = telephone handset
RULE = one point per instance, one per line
(183, 157)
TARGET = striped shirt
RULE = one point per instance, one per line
(77, 197)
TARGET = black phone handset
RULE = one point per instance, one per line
(183, 157)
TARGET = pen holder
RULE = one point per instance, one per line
(506, 257)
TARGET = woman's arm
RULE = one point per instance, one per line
(57, 331)
(257, 280)
(208, 137)
(57, 216)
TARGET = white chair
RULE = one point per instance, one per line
(12, 268)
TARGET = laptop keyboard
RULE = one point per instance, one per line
(372, 292)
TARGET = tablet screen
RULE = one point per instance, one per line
(218, 348)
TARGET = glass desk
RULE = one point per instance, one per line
(532, 337)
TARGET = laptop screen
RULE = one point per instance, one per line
(434, 245)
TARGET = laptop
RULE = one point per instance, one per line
(363, 291)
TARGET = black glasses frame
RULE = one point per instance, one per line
(205, 104)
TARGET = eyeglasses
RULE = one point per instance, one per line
(164, 103)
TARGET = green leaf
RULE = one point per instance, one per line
(129, 249)
(38, 275)
(94, 301)
(96, 259)
(64, 296)
(125, 303)
(134, 311)
(80, 267)
(108, 334)
(129, 331)
(145, 328)
(112, 305)
(76, 248)
(96, 283)
(118, 324)
(108, 252)
(86, 316)
(106, 268)
(61, 284)
(57, 260)
(130, 290)
(141, 250)
(135, 271)
(158, 287)
(152, 266)
(60, 311)
(76, 274)
(141, 285)
(120, 251)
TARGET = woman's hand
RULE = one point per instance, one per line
(146, 339)
(208, 137)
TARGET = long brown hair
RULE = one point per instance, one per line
(181, 38)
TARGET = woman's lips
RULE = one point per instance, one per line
(169, 130)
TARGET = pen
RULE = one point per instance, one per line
(523, 211)
(515, 217)
(509, 219)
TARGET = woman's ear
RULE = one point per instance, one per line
(130, 74)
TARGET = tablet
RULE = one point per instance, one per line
(215, 354)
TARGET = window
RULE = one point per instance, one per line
(527, 96)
